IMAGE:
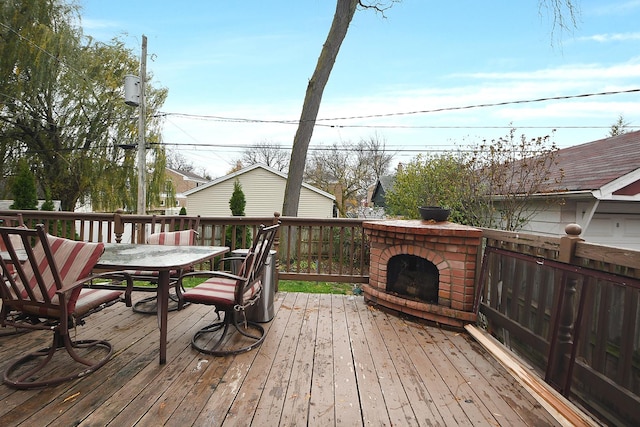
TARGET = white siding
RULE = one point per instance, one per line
(615, 224)
(264, 194)
(549, 217)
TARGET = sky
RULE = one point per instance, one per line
(426, 76)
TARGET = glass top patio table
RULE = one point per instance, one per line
(163, 259)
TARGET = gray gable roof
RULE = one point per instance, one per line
(593, 165)
(248, 169)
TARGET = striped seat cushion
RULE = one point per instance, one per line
(173, 238)
(16, 241)
(88, 300)
(219, 291)
(167, 238)
(92, 298)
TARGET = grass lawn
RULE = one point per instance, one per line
(315, 287)
(298, 286)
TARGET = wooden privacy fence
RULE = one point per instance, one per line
(572, 309)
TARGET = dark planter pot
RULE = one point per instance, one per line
(435, 213)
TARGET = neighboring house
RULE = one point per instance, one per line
(600, 191)
(182, 182)
(5, 205)
(263, 188)
(384, 185)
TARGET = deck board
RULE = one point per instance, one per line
(322, 397)
(327, 360)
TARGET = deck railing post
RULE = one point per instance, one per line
(563, 332)
(568, 243)
(276, 247)
(118, 225)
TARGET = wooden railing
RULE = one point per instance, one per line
(572, 309)
(333, 250)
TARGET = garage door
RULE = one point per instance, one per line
(614, 230)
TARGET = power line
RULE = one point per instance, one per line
(405, 113)
(369, 116)
(493, 104)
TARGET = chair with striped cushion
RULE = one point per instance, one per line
(167, 238)
(45, 292)
(12, 220)
(231, 294)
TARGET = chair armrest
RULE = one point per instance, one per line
(70, 287)
(227, 258)
(230, 258)
(111, 275)
(116, 278)
(213, 273)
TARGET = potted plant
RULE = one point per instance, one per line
(432, 208)
(434, 213)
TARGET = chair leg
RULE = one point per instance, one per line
(149, 305)
(23, 374)
(203, 336)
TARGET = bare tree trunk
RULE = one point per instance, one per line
(345, 10)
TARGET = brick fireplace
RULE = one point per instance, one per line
(423, 268)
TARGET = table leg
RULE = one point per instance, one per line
(163, 309)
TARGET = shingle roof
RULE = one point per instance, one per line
(592, 165)
(190, 175)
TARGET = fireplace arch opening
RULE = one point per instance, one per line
(413, 277)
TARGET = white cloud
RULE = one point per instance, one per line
(89, 24)
(630, 69)
(616, 8)
(615, 37)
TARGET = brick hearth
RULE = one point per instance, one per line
(451, 247)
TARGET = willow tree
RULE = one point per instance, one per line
(345, 10)
(63, 111)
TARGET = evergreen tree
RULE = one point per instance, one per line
(48, 202)
(24, 188)
(237, 204)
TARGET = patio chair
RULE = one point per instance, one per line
(12, 220)
(231, 294)
(43, 290)
(164, 223)
(168, 238)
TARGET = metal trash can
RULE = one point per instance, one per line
(262, 311)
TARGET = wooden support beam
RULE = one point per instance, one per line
(565, 412)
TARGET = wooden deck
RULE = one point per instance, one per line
(327, 360)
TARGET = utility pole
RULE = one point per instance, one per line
(142, 152)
